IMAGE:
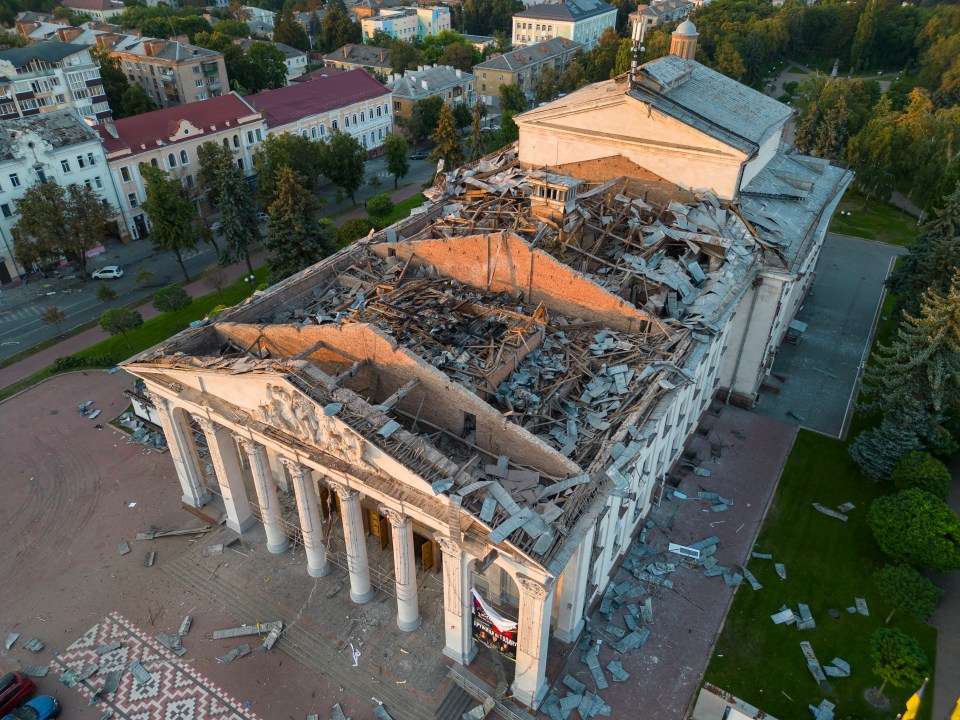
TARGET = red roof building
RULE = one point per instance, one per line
(169, 139)
(352, 102)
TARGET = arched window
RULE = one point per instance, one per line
(172, 160)
(153, 161)
(380, 134)
(184, 158)
(236, 141)
(379, 111)
(354, 118)
(346, 121)
(226, 143)
(362, 117)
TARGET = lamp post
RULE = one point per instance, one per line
(251, 278)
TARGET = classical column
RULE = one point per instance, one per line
(183, 451)
(355, 543)
(573, 591)
(405, 569)
(226, 464)
(533, 636)
(310, 524)
(277, 540)
(457, 602)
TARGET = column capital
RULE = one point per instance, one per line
(294, 466)
(397, 519)
(532, 588)
(448, 546)
(345, 492)
(206, 424)
(251, 447)
(157, 399)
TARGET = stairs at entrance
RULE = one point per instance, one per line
(314, 651)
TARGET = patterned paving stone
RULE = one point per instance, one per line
(174, 690)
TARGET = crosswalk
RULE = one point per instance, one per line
(23, 312)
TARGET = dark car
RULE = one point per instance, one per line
(14, 689)
(42, 707)
(422, 155)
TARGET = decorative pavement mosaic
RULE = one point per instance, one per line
(174, 690)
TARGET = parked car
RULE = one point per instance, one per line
(42, 707)
(422, 155)
(14, 689)
(262, 216)
(110, 271)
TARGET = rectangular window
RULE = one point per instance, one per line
(6, 210)
(98, 183)
(80, 161)
(196, 69)
(250, 136)
(201, 96)
(334, 125)
(65, 164)
(259, 135)
(240, 163)
(200, 82)
(132, 199)
(313, 133)
(125, 173)
(91, 159)
(14, 179)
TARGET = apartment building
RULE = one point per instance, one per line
(370, 58)
(582, 21)
(352, 102)
(655, 14)
(55, 146)
(100, 10)
(172, 72)
(453, 85)
(522, 67)
(169, 139)
(407, 23)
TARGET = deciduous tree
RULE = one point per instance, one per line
(379, 207)
(288, 150)
(918, 528)
(345, 159)
(511, 98)
(897, 659)
(171, 214)
(288, 31)
(55, 316)
(105, 293)
(905, 589)
(476, 131)
(120, 321)
(547, 85)
(395, 148)
(172, 298)
(922, 470)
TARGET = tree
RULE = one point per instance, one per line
(476, 131)
(144, 278)
(379, 207)
(832, 132)
(547, 85)
(114, 79)
(172, 298)
(53, 315)
(423, 118)
(395, 148)
(228, 191)
(624, 59)
(106, 294)
(877, 451)
(574, 77)
(922, 470)
(729, 62)
(459, 56)
(931, 260)
(216, 279)
(903, 588)
(861, 55)
(288, 31)
(353, 230)
(511, 98)
(807, 126)
(447, 141)
(603, 56)
(871, 153)
(918, 528)
(485, 17)
(264, 67)
(898, 659)
(286, 150)
(55, 221)
(135, 101)
(294, 237)
(120, 321)
(345, 161)
(461, 115)
(338, 28)
(171, 214)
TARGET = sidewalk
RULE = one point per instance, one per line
(38, 361)
(397, 196)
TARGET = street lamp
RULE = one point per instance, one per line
(251, 278)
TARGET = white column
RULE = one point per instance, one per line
(573, 591)
(457, 603)
(533, 637)
(310, 524)
(226, 464)
(405, 569)
(277, 540)
(355, 543)
(183, 451)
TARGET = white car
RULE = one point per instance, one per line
(110, 271)
(262, 216)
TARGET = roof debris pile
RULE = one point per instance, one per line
(140, 433)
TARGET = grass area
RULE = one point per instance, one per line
(112, 350)
(880, 221)
(798, 71)
(828, 563)
(402, 209)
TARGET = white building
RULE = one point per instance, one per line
(51, 75)
(56, 147)
(352, 102)
(99, 10)
(169, 139)
(407, 23)
(582, 21)
(657, 13)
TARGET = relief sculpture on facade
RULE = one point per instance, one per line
(296, 414)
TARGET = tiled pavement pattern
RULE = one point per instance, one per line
(175, 692)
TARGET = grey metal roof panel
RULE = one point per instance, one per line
(527, 55)
(50, 51)
(720, 102)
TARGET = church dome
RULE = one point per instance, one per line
(686, 28)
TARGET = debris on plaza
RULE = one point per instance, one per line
(140, 673)
(823, 711)
(480, 711)
(828, 511)
(862, 606)
(813, 665)
(123, 547)
(380, 711)
(837, 668)
(336, 713)
(33, 644)
(153, 533)
(11, 639)
(140, 433)
(37, 670)
(256, 629)
(174, 643)
(212, 550)
(236, 653)
(272, 636)
(149, 558)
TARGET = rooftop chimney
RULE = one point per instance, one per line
(153, 47)
(67, 34)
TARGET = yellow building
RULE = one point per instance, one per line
(453, 85)
(522, 67)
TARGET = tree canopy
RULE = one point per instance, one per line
(922, 470)
(171, 214)
(295, 238)
(918, 528)
(395, 149)
(447, 139)
(907, 590)
(345, 160)
(898, 658)
(120, 321)
(172, 298)
(293, 151)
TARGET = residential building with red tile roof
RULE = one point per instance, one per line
(169, 139)
(352, 102)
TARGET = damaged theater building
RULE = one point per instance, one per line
(497, 388)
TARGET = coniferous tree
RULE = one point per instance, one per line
(229, 192)
(447, 141)
(476, 131)
(807, 127)
(294, 237)
(832, 133)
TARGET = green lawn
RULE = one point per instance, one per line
(798, 70)
(880, 221)
(109, 352)
(402, 209)
(828, 563)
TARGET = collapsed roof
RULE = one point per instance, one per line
(509, 345)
